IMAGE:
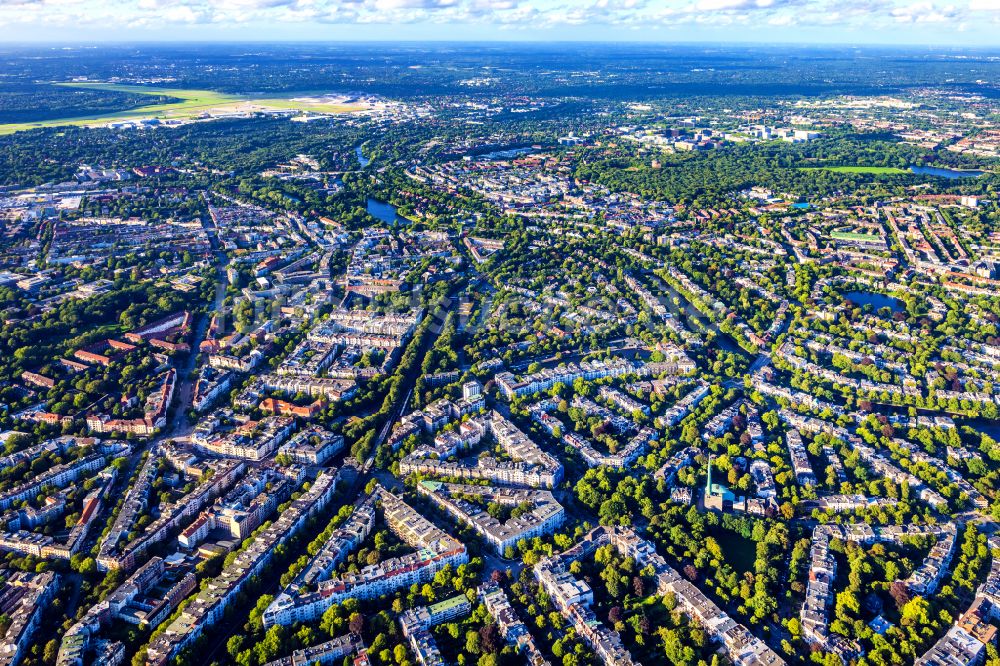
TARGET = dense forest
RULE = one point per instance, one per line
(702, 179)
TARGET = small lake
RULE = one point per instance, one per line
(385, 212)
(740, 551)
(362, 160)
(876, 300)
(944, 173)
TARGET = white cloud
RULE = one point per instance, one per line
(183, 14)
(414, 4)
(924, 12)
(765, 15)
(717, 5)
(783, 20)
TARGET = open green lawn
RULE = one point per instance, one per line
(187, 98)
(850, 235)
(190, 103)
(318, 107)
(858, 169)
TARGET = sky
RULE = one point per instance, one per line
(912, 22)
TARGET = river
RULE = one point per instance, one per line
(991, 428)
(362, 160)
(694, 320)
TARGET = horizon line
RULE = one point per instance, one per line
(532, 41)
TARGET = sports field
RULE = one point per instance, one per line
(189, 104)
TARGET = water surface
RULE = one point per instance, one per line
(385, 212)
(875, 299)
(944, 173)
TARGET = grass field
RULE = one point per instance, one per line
(852, 236)
(189, 104)
(858, 169)
(307, 106)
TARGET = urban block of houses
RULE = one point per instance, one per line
(820, 594)
(167, 333)
(155, 411)
(57, 477)
(25, 597)
(251, 440)
(679, 410)
(512, 628)
(536, 512)
(529, 464)
(438, 414)
(435, 549)
(416, 623)
(543, 380)
(209, 605)
(804, 475)
(117, 553)
(136, 601)
(312, 446)
(573, 598)
(212, 382)
(329, 652)
(240, 511)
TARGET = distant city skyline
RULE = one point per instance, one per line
(889, 22)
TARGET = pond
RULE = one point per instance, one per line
(385, 212)
(944, 173)
(874, 299)
(740, 553)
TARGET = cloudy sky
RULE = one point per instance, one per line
(954, 22)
